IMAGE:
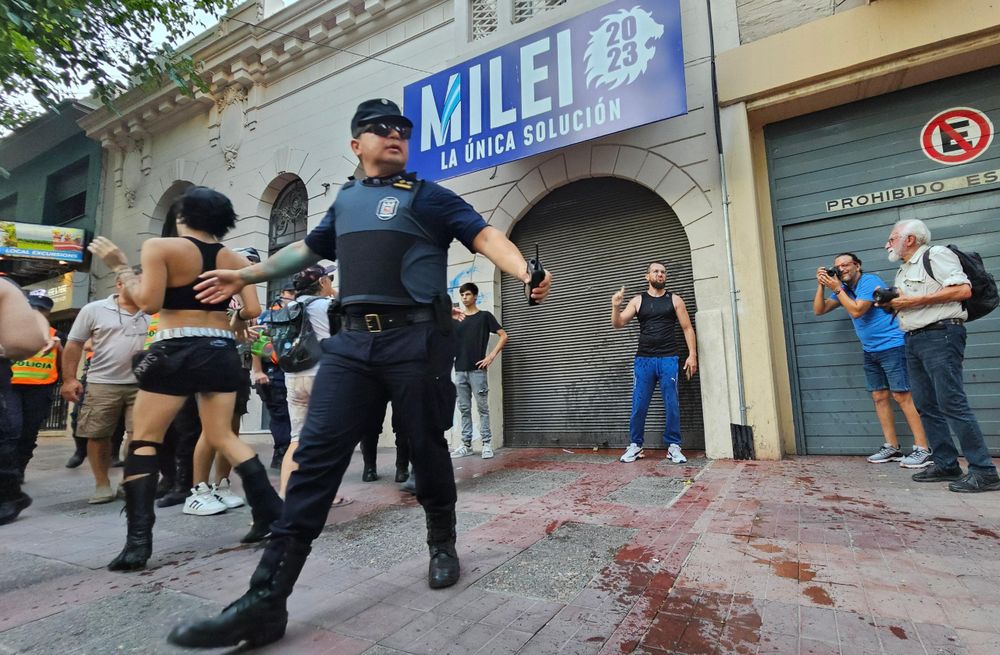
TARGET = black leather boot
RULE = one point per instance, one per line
(183, 481)
(444, 569)
(259, 616)
(79, 455)
(140, 494)
(277, 457)
(265, 504)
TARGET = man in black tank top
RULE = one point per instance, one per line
(656, 359)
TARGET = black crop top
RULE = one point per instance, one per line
(183, 297)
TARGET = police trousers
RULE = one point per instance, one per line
(360, 372)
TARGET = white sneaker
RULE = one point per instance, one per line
(632, 453)
(461, 451)
(202, 502)
(487, 451)
(225, 496)
(675, 454)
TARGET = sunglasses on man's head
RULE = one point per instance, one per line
(385, 129)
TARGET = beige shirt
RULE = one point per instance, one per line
(116, 335)
(913, 280)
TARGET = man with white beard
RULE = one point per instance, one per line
(930, 312)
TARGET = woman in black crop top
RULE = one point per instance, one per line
(193, 353)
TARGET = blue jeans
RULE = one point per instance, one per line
(469, 384)
(934, 360)
(647, 372)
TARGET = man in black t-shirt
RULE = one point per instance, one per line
(656, 359)
(470, 368)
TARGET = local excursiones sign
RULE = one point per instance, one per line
(607, 70)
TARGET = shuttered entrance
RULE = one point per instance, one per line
(567, 374)
(860, 149)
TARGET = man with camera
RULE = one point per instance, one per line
(930, 312)
(884, 351)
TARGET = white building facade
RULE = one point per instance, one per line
(273, 134)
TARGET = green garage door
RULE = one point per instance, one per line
(856, 152)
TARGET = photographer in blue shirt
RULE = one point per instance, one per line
(885, 354)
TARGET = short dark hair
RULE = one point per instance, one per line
(170, 221)
(656, 262)
(208, 210)
(854, 258)
(469, 286)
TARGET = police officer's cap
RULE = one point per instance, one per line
(38, 299)
(375, 110)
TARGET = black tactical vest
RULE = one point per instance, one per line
(385, 255)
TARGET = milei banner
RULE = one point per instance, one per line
(613, 68)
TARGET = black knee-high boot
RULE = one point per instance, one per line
(444, 569)
(259, 616)
(265, 504)
(140, 493)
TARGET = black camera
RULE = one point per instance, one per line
(883, 297)
(832, 272)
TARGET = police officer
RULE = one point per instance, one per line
(34, 381)
(389, 233)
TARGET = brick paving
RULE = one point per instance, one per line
(561, 553)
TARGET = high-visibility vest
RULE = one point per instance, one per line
(40, 369)
(154, 326)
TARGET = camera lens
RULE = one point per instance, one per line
(832, 272)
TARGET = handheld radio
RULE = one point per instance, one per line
(537, 274)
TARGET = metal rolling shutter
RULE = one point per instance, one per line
(567, 374)
(860, 148)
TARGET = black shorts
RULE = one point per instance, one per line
(190, 365)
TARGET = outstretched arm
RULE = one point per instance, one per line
(492, 244)
(23, 331)
(220, 284)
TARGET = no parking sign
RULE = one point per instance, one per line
(956, 136)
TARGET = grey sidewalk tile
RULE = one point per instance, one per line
(385, 537)
(647, 490)
(559, 566)
(21, 570)
(108, 625)
(518, 482)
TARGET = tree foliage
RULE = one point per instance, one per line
(51, 48)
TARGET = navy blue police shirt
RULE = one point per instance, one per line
(442, 213)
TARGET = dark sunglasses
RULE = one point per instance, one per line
(385, 129)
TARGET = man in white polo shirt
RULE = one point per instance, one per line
(117, 328)
(931, 314)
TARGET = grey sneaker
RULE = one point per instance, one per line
(632, 453)
(917, 459)
(675, 454)
(885, 454)
(462, 451)
(487, 451)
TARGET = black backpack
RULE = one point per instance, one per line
(985, 297)
(292, 335)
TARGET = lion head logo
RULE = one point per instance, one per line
(621, 48)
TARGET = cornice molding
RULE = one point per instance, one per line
(245, 50)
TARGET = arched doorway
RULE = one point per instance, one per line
(567, 374)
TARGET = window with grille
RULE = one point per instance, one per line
(288, 224)
(525, 9)
(484, 18)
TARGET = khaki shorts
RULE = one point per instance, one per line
(102, 406)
